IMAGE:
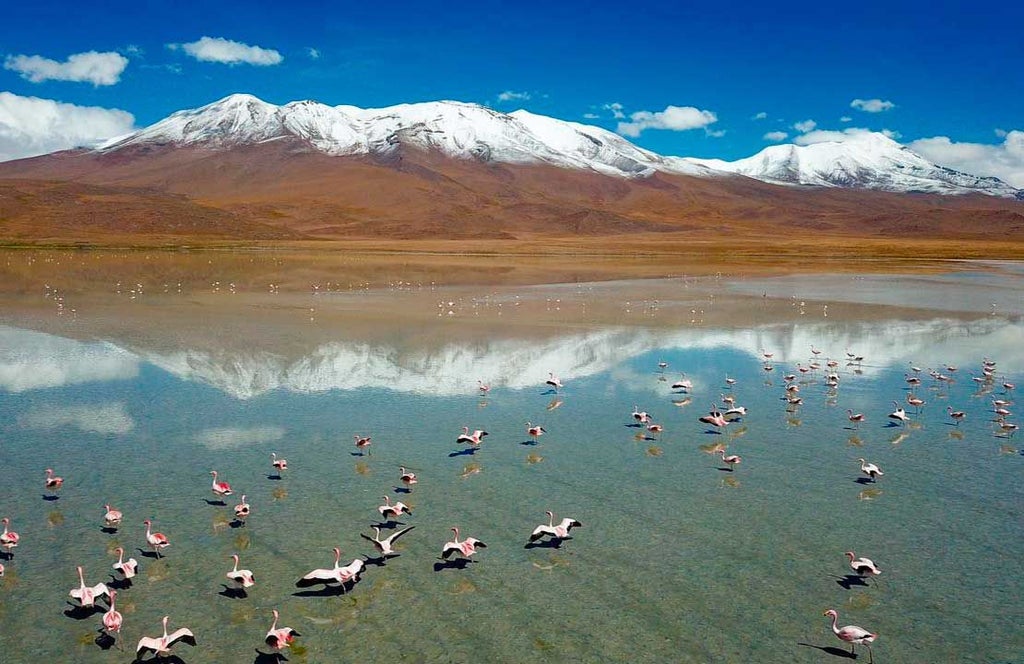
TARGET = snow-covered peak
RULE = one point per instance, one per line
(869, 160)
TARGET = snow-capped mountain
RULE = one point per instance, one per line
(456, 129)
(470, 131)
(867, 160)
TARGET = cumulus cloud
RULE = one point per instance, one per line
(108, 419)
(776, 136)
(805, 126)
(871, 105)
(218, 49)
(675, 118)
(616, 109)
(760, 116)
(510, 95)
(90, 67)
(313, 53)
(714, 133)
(591, 116)
(1004, 161)
(31, 126)
(846, 118)
(229, 438)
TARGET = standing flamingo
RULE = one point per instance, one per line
(8, 539)
(483, 387)
(856, 418)
(640, 416)
(852, 634)
(898, 414)
(243, 578)
(156, 540)
(391, 510)
(406, 477)
(554, 381)
(915, 401)
(362, 442)
(870, 469)
(561, 531)
(220, 489)
(862, 566)
(112, 618)
(161, 646)
(278, 464)
(473, 439)
(126, 568)
(466, 547)
(957, 415)
(242, 509)
(535, 431)
(112, 518)
(52, 482)
(280, 637)
(87, 595)
(731, 459)
(385, 546)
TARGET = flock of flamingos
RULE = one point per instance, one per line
(86, 597)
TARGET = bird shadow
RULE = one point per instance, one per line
(725, 470)
(108, 530)
(831, 650)
(457, 563)
(387, 525)
(864, 480)
(232, 593)
(269, 658)
(237, 523)
(469, 451)
(104, 640)
(550, 392)
(216, 503)
(118, 583)
(172, 659)
(7, 555)
(403, 489)
(553, 543)
(893, 425)
(329, 590)
(380, 561)
(530, 442)
(82, 612)
(276, 478)
(149, 554)
(50, 497)
(714, 431)
(850, 580)
(358, 454)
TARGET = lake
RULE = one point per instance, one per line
(134, 376)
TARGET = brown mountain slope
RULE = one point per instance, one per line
(282, 190)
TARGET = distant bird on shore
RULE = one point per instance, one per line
(561, 531)
(852, 634)
(466, 547)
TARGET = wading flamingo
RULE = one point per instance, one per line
(731, 459)
(220, 489)
(112, 518)
(362, 442)
(535, 431)
(278, 464)
(957, 415)
(406, 477)
(158, 541)
(554, 381)
(856, 418)
(87, 595)
(243, 578)
(862, 566)
(52, 482)
(161, 646)
(852, 634)
(8, 539)
(870, 469)
(391, 510)
(242, 509)
(280, 637)
(385, 546)
(466, 547)
(112, 618)
(561, 531)
(126, 568)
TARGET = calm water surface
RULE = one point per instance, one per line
(678, 559)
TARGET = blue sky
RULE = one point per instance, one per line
(944, 78)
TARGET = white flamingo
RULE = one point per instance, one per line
(161, 646)
(280, 637)
(870, 469)
(561, 531)
(466, 547)
(385, 546)
(852, 634)
(87, 595)
(126, 568)
(243, 578)
(862, 566)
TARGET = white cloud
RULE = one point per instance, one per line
(805, 126)
(760, 116)
(91, 67)
(1004, 161)
(591, 116)
(616, 109)
(35, 360)
(846, 118)
(31, 126)
(230, 438)
(714, 133)
(1001, 133)
(509, 95)
(871, 105)
(775, 136)
(217, 49)
(313, 53)
(675, 118)
(105, 419)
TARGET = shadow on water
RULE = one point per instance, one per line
(402, 489)
(831, 650)
(276, 478)
(530, 442)
(82, 612)
(215, 503)
(50, 497)
(171, 659)
(269, 658)
(232, 593)
(457, 563)
(237, 523)
(864, 480)
(469, 451)
(149, 554)
(104, 640)
(387, 525)
(553, 543)
(118, 583)
(851, 580)
(108, 530)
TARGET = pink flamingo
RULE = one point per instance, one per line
(957, 415)
(483, 387)
(915, 401)
(126, 568)
(220, 489)
(655, 429)
(8, 539)
(385, 546)
(156, 540)
(391, 510)
(473, 439)
(852, 634)
(406, 477)
(278, 464)
(898, 414)
(731, 459)
(362, 442)
(561, 531)
(466, 547)
(280, 637)
(243, 578)
(53, 483)
(535, 431)
(856, 418)
(684, 383)
(336, 574)
(870, 469)
(714, 418)
(641, 416)
(862, 566)
(161, 646)
(112, 518)
(87, 595)
(242, 509)
(112, 618)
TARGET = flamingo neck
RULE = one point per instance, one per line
(835, 620)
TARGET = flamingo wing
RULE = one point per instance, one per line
(148, 644)
(183, 634)
(449, 549)
(540, 531)
(318, 576)
(398, 534)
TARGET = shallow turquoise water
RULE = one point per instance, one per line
(677, 559)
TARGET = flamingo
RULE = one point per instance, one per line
(362, 442)
(242, 509)
(911, 380)
(641, 416)
(731, 459)
(852, 634)
(337, 574)
(662, 365)
(156, 540)
(957, 415)
(8, 539)
(655, 429)
(408, 478)
(282, 637)
(483, 387)
(714, 418)
(278, 464)
(53, 483)
(863, 566)
(735, 413)
(899, 413)
(87, 595)
(384, 546)
(243, 578)
(112, 618)
(999, 407)
(126, 568)
(855, 418)
(473, 439)
(393, 510)
(554, 381)
(112, 518)
(466, 547)
(2, 570)
(535, 432)
(220, 489)
(561, 531)
(684, 383)
(815, 351)
(729, 381)
(915, 401)
(161, 646)
(870, 469)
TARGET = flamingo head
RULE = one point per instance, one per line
(455, 529)
(243, 497)
(119, 551)
(147, 522)
(5, 521)
(214, 473)
(276, 615)
(164, 621)
(831, 613)
(49, 471)
(849, 554)
(234, 556)
(337, 555)
(861, 459)
(387, 499)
